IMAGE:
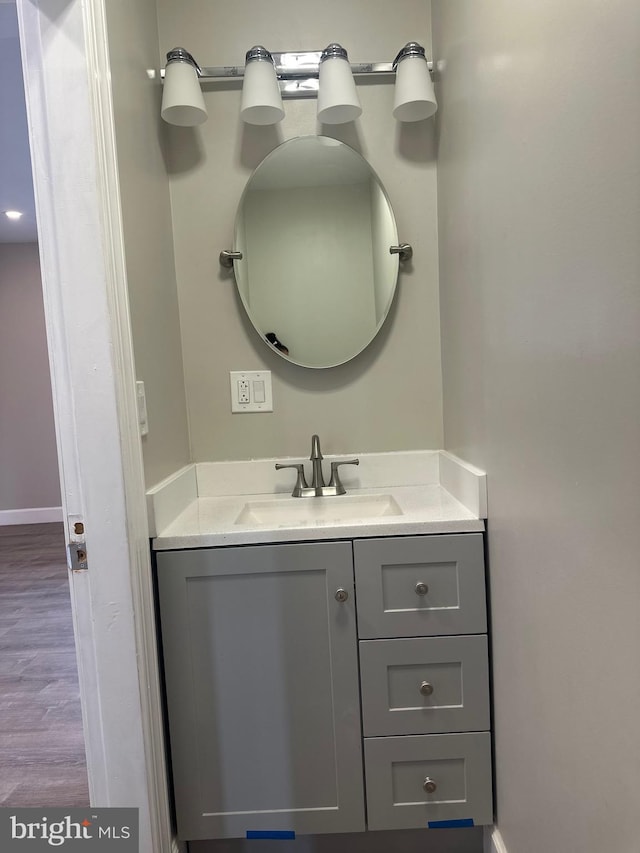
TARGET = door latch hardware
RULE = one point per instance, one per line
(77, 552)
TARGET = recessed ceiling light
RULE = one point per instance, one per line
(12, 214)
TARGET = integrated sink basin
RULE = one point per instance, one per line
(298, 512)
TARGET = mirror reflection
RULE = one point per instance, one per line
(316, 277)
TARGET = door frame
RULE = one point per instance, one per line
(68, 94)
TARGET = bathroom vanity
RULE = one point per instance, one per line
(326, 674)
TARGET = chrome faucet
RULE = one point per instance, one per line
(317, 488)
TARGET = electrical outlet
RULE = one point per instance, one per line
(251, 391)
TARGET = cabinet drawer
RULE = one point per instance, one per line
(458, 765)
(420, 586)
(424, 685)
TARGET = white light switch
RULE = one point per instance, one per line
(251, 391)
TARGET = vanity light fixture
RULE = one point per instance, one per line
(415, 98)
(261, 99)
(13, 214)
(182, 101)
(270, 77)
(338, 100)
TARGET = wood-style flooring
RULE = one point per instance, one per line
(42, 756)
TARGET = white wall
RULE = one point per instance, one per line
(375, 402)
(28, 457)
(146, 213)
(539, 217)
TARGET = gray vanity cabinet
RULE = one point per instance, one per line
(264, 691)
(261, 668)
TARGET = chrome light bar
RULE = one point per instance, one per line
(297, 72)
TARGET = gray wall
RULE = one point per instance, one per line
(390, 397)
(28, 457)
(146, 212)
(539, 217)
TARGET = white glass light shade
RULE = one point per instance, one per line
(415, 98)
(261, 98)
(182, 101)
(338, 100)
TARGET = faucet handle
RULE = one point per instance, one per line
(335, 476)
(301, 482)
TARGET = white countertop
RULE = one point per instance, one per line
(212, 521)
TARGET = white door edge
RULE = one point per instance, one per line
(67, 85)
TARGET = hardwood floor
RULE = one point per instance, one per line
(42, 757)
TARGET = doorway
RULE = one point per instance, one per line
(42, 742)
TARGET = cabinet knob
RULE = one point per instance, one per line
(422, 589)
(429, 785)
(341, 595)
(426, 688)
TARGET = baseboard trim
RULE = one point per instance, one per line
(493, 842)
(38, 515)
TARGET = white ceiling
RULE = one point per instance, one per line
(16, 185)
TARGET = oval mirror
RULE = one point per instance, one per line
(314, 227)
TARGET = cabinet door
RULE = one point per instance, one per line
(420, 586)
(262, 689)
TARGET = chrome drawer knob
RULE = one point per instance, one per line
(429, 785)
(426, 688)
(421, 589)
(341, 595)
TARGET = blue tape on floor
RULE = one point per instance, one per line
(450, 824)
(282, 835)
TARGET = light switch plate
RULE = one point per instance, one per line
(251, 391)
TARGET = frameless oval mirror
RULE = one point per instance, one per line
(314, 227)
